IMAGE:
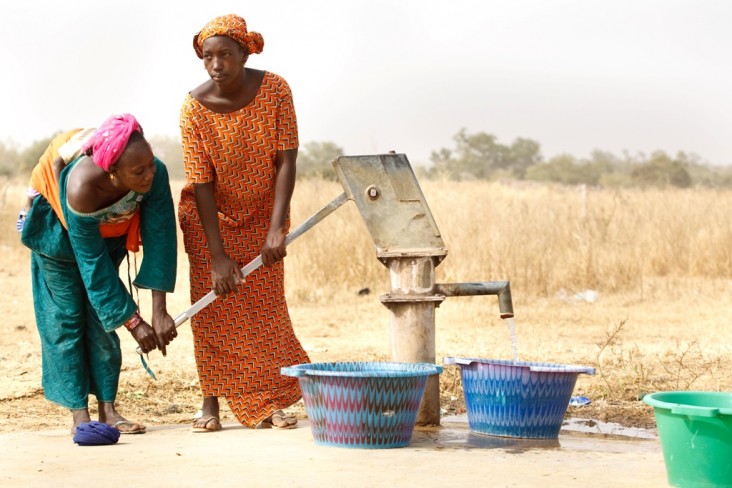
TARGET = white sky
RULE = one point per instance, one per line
(375, 75)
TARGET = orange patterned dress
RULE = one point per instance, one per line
(243, 339)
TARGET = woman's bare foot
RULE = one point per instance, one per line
(81, 415)
(209, 419)
(109, 415)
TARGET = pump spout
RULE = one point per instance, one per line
(500, 288)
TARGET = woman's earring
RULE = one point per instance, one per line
(113, 178)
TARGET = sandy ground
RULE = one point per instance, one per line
(436, 457)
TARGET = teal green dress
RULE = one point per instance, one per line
(78, 296)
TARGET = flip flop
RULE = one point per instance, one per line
(208, 424)
(278, 420)
(141, 429)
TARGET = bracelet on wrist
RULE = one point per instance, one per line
(133, 321)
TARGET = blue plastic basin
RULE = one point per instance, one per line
(362, 404)
(516, 398)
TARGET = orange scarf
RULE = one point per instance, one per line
(45, 181)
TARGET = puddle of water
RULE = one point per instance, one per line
(512, 445)
(590, 426)
(576, 435)
(454, 435)
(577, 426)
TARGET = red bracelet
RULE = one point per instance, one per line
(133, 321)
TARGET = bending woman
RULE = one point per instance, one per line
(83, 219)
(239, 135)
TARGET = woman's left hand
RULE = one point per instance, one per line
(165, 330)
(145, 336)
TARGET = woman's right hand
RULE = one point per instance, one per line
(225, 274)
(145, 336)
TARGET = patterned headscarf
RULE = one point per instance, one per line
(231, 26)
(110, 139)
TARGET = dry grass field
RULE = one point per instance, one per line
(658, 264)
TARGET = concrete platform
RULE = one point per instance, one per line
(447, 456)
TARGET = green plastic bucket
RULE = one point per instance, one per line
(695, 429)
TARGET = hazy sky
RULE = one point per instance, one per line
(374, 76)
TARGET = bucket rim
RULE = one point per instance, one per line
(533, 366)
(378, 369)
(685, 408)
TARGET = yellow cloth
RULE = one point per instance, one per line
(45, 181)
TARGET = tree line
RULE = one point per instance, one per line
(474, 156)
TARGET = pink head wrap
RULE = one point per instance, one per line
(232, 26)
(110, 139)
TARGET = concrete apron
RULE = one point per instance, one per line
(447, 456)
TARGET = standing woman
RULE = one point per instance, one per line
(240, 140)
(83, 219)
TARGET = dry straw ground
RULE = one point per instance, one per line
(659, 262)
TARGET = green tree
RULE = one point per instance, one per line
(482, 153)
(559, 169)
(566, 169)
(9, 160)
(168, 150)
(481, 156)
(475, 156)
(443, 165)
(28, 157)
(315, 160)
(522, 155)
(661, 171)
(604, 161)
(704, 174)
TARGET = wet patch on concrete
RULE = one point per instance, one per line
(595, 427)
(575, 435)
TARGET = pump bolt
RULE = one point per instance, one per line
(372, 192)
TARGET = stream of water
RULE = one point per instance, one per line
(511, 324)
